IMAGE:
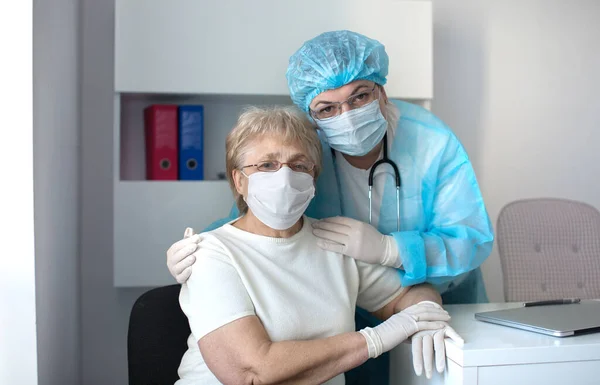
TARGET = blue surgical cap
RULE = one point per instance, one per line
(332, 60)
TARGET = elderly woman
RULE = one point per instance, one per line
(265, 303)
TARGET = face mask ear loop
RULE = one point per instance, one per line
(247, 177)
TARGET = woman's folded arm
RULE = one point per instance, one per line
(241, 353)
(234, 343)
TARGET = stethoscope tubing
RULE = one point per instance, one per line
(385, 160)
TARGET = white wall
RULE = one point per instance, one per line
(104, 310)
(56, 161)
(516, 80)
(18, 358)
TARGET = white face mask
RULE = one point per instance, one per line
(357, 131)
(278, 199)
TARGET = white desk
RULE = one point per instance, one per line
(498, 355)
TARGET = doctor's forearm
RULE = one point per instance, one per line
(418, 293)
(440, 254)
(412, 296)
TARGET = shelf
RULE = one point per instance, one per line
(220, 115)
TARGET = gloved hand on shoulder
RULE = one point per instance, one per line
(357, 240)
(180, 258)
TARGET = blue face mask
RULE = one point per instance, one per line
(357, 131)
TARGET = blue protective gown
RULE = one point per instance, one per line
(445, 232)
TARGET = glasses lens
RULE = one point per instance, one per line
(326, 112)
(354, 101)
(361, 99)
(269, 166)
(302, 166)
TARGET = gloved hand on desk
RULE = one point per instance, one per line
(400, 326)
(427, 343)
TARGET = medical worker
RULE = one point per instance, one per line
(445, 233)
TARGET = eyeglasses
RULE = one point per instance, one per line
(330, 110)
(273, 165)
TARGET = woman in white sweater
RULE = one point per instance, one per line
(265, 304)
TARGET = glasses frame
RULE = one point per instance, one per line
(281, 164)
(339, 105)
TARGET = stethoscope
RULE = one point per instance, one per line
(385, 160)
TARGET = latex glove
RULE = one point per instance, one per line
(180, 258)
(357, 240)
(425, 343)
(402, 325)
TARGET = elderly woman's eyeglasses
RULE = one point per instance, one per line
(273, 165)
(330, 110)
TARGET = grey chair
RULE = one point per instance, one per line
(549, 249)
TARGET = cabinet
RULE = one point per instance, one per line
(498, 355)
(225, 55)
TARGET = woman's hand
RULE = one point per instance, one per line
(357, 240)
(427, 342)
(180, 258)
(400, 326)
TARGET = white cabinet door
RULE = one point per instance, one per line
(402, 373)
(149, 216)
(555, 373)
(243, 47)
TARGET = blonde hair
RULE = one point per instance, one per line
(392, 115)
(286, 121)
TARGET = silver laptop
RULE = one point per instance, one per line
(553, 320)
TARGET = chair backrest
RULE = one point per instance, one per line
(549, 249)
(157, 338)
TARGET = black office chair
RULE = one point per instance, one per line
(157, 337)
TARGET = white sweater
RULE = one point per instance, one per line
(297, 290)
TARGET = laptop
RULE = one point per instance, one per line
(553, 320)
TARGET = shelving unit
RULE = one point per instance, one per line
(224, 55)
(221, 112)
